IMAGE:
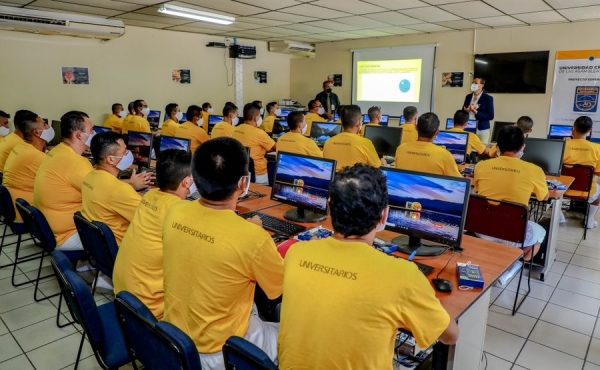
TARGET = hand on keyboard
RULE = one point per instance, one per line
(256, 220)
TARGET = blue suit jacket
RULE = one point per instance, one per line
(485, 113)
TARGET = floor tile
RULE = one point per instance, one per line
(27, 315)
(590, 366)
(576, 302)
(494, 293)
(563, 256)
(561, 339)
(596, 333)
(594, 352)
(569, 319)
(9, 347)
(501, 318)
(591, 241)
(20, 363)
(517, 367)
(563, 241)
(537, 357)
(588, 251)
(583, 273)
(502, 344)
(584, 261)
(44, 358)
(494, 363)
(89, 363)
(558, 267)
(42, 333)
(3, 328)
(580, 287)
(16, 299)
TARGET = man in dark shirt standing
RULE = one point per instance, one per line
(328, 99)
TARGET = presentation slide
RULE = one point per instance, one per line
(389, 80)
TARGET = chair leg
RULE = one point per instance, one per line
(37, 281)
(585, 219)
(515, 306)
(95, 282)
(18, 260)
(79, 352)
(58, 315)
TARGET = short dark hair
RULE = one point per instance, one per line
(72, 122)
(427, 125)
(461, 117)
(480, 79)
(172, 166)
(340, 108)
(326, 82)
(138, 104)
(251, 110)
(193, 111)
(510, 139)
(104, 145)
(4, 114)
(270, 106)
(311, 104)
(116, 106)
(525, 123)
(229, 109)
(373, 112)
(583, 124)
(294, 119)
(409, 113)
(357, 197)
(205, 105)
(23, 115)
(130, 108)
(170, 108)
(28, 127)
(350, 116)
(217, 167)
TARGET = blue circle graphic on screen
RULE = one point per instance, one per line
(404, 86)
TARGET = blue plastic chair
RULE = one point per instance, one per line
(99, 323)
(60, 263)
(169, 349)
(238, 353)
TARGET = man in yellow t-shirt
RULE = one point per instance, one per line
(230, 120)
(585, 153)
(508, 178)
(211, 267)
(460, 120)
(256, 139)
(24, 160)
(4, 127)
(295, 141)
(272, 112)
(104, 197)
(192, 128)
(374, 114)
(139, 265)
(315, 112)
(139, 120)
(424, 156)
(525, 123)
(409, 129)
(15, 138)
(115, 120)
(329, 283)
(348, 148)
(169, 127)
(127, 118)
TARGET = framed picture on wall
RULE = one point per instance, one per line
(75, 75)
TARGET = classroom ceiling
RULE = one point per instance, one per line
(315, 21)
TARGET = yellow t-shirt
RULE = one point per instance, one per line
(197, 135)
(210, 272)
(19, 172)
(139, 265)
(259, 143)
(57, 189)
(584, 153)
(348, 149)
(293, 142)
(343, 303)
(409, 133)
(136, 123)
(109, 200)
(267, 125)
(474, 142)
(510, 179)
(494, 151)
(362, 130)
(114, 123)
(423, 156)
(222, 129)
(310, 118)
(169, 128)
(125, 123)
(205, 121)
(6, 146)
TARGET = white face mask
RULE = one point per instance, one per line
(122, 114)
(304, 128)
(211, 110)
(4, 131)
(321, 111)
(88, 142)
(262, 111)
(520, 153)
(245, 192)
(474, 87)
(179, 116)
(277, 112)
(382, 226)
(235, 121)
(192, 188)
(125, 162)
(259, 122)
(47, 134)
(200, 122)
(146, 112)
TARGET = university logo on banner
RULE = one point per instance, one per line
(586, 99)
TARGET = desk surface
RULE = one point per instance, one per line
(255, 203)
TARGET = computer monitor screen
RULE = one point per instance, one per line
(280, 127)
(154, 119)
(140, 145)
(212, 121)
(336, 117)
(57, 133)
(426, 206)
(563, 131)
(385, 139)
(545, 153)
(384, 119)
(284, 114)
(303, 182)
(497, 127)
(100, 130)
(471, 125)
(455, 143)
(402, 120)
(321, 131)
(167, 142)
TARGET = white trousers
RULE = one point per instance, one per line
(72, 244)
(262, 179)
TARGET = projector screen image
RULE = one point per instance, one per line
(389, 80)
(429, 207)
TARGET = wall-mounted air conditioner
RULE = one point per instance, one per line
(292, 47)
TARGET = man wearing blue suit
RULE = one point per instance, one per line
(480, 106)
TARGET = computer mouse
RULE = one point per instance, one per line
(279, 237)
(442, 285)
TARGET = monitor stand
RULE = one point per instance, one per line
(408, 244)
(303, 216)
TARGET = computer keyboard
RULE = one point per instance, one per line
(275, 224)
(426, 270)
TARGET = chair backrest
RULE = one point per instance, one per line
(7, 209)
(584, 176)
(251, 170)
(99, 241)
(498, 219)
(37, 225)
(185, 345)
(154, 349)
(241, 354)
(61, 263)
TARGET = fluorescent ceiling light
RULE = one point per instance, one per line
(198, 15)
(480, 61)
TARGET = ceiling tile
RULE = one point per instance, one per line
(501, 21)
(397, 4)
(333, 25)
(306, 27)
(430, 14)
(326, 37)
(269, 4)
(559, 4)
(107, 4)
(540, 17)
(176, 21)
(229, 6)
(442, 2)
(258, 33)
(343, 35)
(372, 33)
(398, 30)
(349, 6)
(240, 34)
(519, 6)
(429, 27)
(132, 22)
(314, 11)
(263, 22)
(205, 31)
(583, 13)
(394, 18)
(283, 31)
(285, 17)
(15, 2)
(472, 9)
(361, 22)
(142, 2)
(74, 8)
(462, 25)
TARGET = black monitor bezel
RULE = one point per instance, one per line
(104, 129)
(549, 136)
(149, 153)
(325, 123)
(366, 118)
(495, 132)
(562, 153)
(173, 137)
(158, 122)
(374, 128)
(460, 133)
(448, 120)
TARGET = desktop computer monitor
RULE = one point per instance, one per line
(303, 182)
(497, 127)
(57, 133)
(426, 206)
(560, 132)
(284, 114)
(212, 121)
(471, 125)
(384, 119)
(99, 129)
(280, 127)
(323, 131)
(454, 142)
(167, 142)
(154, 119)
(545, 153)
(385, 139)
(336, 117)
(402, 120)
(140, 145)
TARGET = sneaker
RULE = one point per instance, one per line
(104, 282)
(83, 266)
(562, 219)
(595, 225)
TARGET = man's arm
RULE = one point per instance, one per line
(450, 335)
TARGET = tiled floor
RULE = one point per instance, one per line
(557, 328)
